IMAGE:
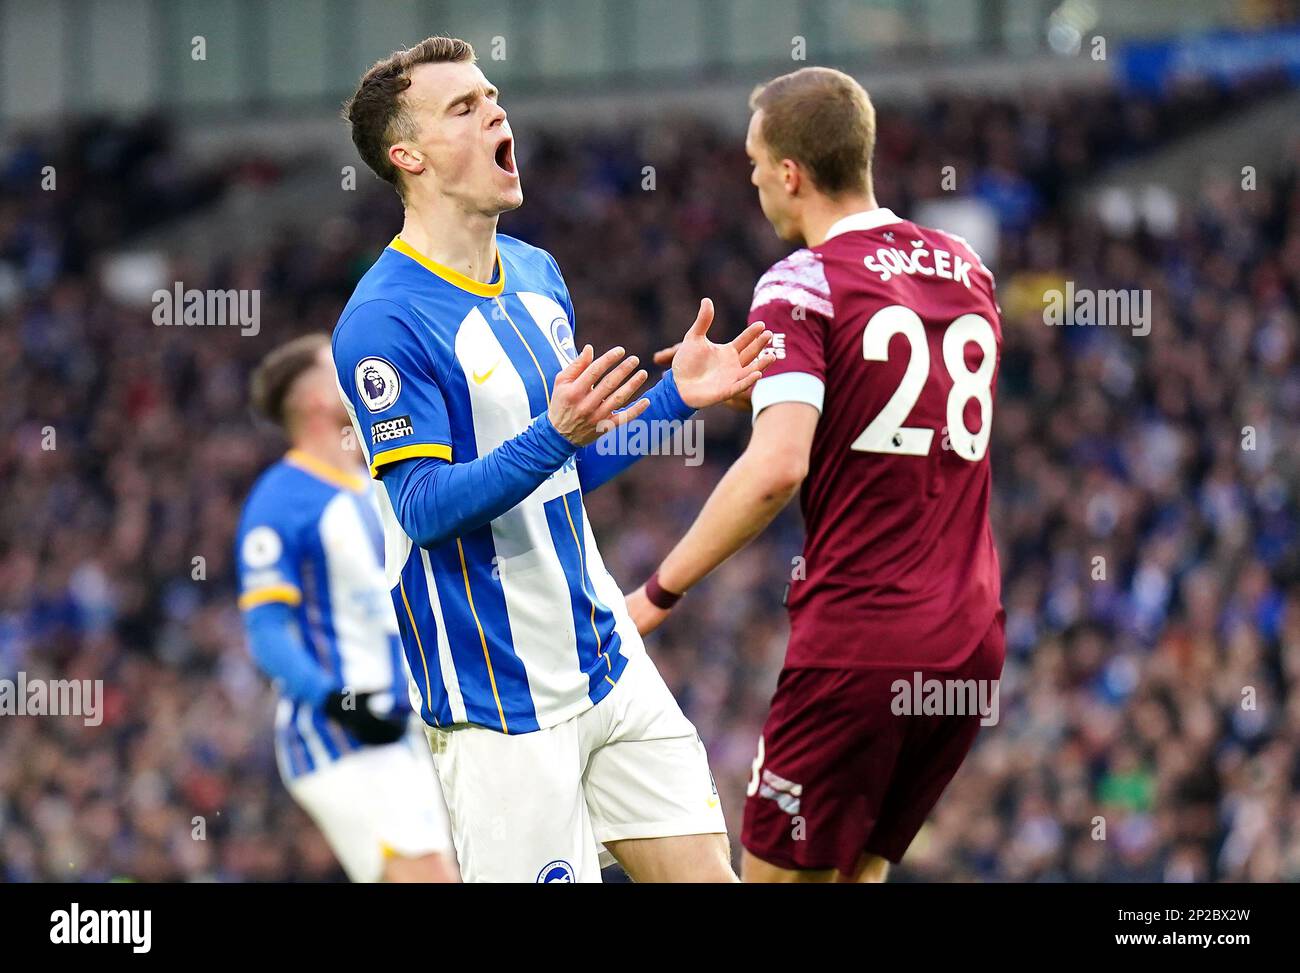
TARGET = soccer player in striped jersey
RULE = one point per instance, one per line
(319, 622)
(552, 731)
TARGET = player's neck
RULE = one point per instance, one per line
(821, 213)
(326, 446)
(465, 242)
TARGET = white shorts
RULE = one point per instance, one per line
(536, 807)
(375, 803)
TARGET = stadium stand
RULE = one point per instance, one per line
(1122, 697)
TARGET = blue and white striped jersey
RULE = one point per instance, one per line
(515, 625)
(310, 538)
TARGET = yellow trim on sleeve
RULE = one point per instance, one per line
(454, 277)
(432, 450)
(284, 593)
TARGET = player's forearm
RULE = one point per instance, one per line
(279, 651)
(744, 502)
(609, 455)
(436, 501)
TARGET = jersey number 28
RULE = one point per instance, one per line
(886, 433)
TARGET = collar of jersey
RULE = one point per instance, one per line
(324, 471)
(454, 277)
(868, 219)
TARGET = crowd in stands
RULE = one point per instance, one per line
(1145, 493)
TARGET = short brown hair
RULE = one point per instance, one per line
(824, 120)
(376, 112)
(275, 374)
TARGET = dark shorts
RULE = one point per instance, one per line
(843, 770)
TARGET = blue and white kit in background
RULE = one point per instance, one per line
(551, 728)
(319, 620)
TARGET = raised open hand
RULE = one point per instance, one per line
(707, 373)
(590, 391)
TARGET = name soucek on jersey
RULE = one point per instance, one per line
(892, 331)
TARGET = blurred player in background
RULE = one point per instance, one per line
(880, 406)
(552, 731)
(320, 623)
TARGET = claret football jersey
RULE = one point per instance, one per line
(891, 330)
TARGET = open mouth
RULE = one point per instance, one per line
(505, 156)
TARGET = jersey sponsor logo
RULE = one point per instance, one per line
(561, 333)
(261, 547)
(390, 429)
(378, 383)
(266, 578)
(556, 871)
(778, 343)
(570, 466)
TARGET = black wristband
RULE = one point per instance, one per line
(658, 595)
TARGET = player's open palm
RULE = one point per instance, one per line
(591, 395)
(707, 374)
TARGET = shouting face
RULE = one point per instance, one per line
(462, 149)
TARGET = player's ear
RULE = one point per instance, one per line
(791, 177)
(406, 157)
